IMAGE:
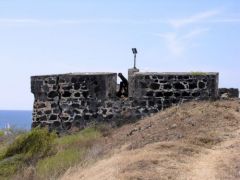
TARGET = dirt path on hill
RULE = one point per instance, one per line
(167, 160)
(146, 163)
(193, 142)
(220, 162)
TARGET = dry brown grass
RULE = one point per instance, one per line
(197, 140)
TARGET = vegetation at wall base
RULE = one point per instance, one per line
(1, 133)
(48, 154)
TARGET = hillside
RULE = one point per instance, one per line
(197, 140)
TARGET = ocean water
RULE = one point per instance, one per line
(16, 119)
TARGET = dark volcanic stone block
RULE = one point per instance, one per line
(167, 86)
(48, 112)
(66, 94)
(77, 94)
(149, 93)
(53, 94)
(178, 85)
(155, 86)
(143, 85)
(53, 117)
(85, 94)
(151, 103)
(56, 124)
(78, 117)
(147, 77)
(67, 88)
(192, 85)
(184, 93)
(76, 105)
(201, 85)
(159, 94)
(177, 94)
(167, 94)
(196, 94)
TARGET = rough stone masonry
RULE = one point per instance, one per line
(67, 101)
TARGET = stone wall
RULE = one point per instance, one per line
(75, 100)
(229, 92)
(63, 100)
(165, 89)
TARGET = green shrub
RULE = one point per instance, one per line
(27, 148)
(82, 138)
(50, 155)
(2, 152)
(1, 133)
(54, 166)
(71, 150)
(10, 165)
(34, 144)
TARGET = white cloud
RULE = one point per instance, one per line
(68, 22)
(225, 20)
(177, 44)
(194, 33)
(173, 43)
(177, 23)
(18, 21)
(205, 17)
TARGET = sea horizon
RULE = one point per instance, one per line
(16, 119)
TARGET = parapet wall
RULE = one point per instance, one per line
(228, 92)
(61, 100)
(165, 89)
(75, 100)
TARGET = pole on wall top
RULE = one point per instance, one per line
(134, 50)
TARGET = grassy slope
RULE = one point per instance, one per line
(42, 155)
(197, 140)
(181, 142)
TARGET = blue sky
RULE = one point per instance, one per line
(61, 36)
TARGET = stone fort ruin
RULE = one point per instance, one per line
(74, 100)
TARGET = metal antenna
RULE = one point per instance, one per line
(134, 50)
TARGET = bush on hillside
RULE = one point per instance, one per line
(1, 133)
(34, 144)
(48, 155)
